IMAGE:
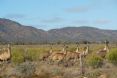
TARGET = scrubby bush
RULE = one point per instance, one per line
(25, 70)
(112, 56)
(93, 74)
(20, 55)
(94, 61)
(17, 55)
(33, 54)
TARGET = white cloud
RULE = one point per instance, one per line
(77, 9)
(81, 21)
(15, 16)
(103, 21)
(52, 20)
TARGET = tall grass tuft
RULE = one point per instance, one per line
(112, 56)
(17, 55)
(94, 61)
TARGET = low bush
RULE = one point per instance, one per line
(33, 54)
(94, 61)
(17, 55)
(25, 70)
(93, 74)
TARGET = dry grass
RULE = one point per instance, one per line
(44, 69)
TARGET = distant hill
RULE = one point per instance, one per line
(11, 31)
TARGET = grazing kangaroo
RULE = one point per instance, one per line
(58, 57)
(103, 51)
(6, 55)
(73, 55)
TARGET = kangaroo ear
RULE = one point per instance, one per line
(50, 50)
(8, 45)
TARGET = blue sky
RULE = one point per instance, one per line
(49, 14)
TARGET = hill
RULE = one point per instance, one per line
(11, 31)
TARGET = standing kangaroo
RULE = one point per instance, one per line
(6, 55)
(103, 51)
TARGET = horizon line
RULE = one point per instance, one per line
(70, 26)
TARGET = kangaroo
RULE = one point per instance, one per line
(73, 55)
(58, 56)
(6, 55)
(103, 51)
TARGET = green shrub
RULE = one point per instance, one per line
(94, 61)
(17, 55)
(33, 54)
(112, 56)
